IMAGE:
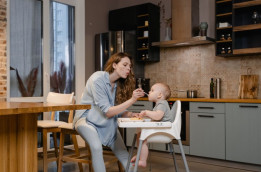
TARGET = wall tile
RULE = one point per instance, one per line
(193, 67)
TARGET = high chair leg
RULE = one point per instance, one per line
(138, 156)
(131, 152)
(173, 155)
(183, 156)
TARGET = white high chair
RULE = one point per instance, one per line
(164, 135)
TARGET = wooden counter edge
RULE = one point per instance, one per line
(210, 100)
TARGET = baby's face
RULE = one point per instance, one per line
(154, 92)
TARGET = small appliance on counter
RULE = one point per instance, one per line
(143, 83)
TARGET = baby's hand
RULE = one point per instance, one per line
(136, 115)
(142, 114)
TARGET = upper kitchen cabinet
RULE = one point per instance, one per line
(238, 27)
(123, 19)
(223, 27)
(145, 20)
(247, 27)
(148, 31)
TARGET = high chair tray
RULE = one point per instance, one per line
(140, 123)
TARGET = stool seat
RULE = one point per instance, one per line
(67, 126)
(49, 123)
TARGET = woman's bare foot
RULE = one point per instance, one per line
(142, 163)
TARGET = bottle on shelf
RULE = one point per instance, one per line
(218, 88)
(212, 88)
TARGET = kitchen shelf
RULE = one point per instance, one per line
(247, 51)
(147, 31)
(142, 27)
(220, 28)
(141, 49)
(224, 41)
(143, 15)
(224, 14)
(198, 40)
(218, 2)
(246, 27)
(246, 4)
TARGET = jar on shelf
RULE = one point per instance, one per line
(223, 50)
(229, 51)
(229, 36)
(143, 45)
(222, 37)
(143, 56)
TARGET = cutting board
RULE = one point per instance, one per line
(248, 87)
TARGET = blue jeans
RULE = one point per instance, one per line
(90, 135)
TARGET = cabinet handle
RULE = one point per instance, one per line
(205, 107)
(247, 106)
(206, 116)
(137, 105)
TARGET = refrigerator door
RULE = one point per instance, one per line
(101, 50)
(107, 44)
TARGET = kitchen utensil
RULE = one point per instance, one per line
(248, 87)
(190, 93)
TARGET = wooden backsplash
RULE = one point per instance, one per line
(192, 68)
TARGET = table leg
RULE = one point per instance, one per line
(18, 143)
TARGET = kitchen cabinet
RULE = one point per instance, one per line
(148, 31)
(207, 129)
(224, 27)
(123, 19)
(238, 20)
(243, 138)
(145, 20)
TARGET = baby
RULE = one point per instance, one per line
(159, 93)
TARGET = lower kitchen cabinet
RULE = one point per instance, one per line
(243, 132)
(207, 130)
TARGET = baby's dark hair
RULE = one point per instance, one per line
(166, 90)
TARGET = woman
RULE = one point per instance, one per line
(98, 126)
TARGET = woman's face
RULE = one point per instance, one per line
(123, 67)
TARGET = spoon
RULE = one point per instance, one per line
(146, 94)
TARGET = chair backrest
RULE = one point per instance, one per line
(176, 109)
(165, 135)
(58, 98)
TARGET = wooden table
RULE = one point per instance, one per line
(18, 133)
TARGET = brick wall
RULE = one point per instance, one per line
(3, 74)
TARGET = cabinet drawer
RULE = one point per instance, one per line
(207, 107)
(141, 105)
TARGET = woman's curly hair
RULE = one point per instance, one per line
(126, 86)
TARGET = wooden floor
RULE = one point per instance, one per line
(162, 162)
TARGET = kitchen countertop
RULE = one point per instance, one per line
(211, 100)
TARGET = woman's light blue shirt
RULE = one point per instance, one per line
(99, 93)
